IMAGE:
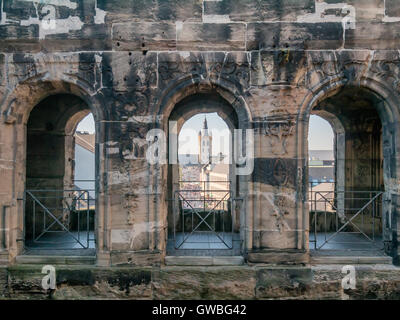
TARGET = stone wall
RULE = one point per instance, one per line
(132, 62)
(180, 283)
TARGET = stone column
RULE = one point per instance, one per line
(278, 224)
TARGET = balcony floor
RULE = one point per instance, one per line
(346, 242)
(62, 243)
(204, 243)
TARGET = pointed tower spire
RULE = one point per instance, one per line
(205, 125)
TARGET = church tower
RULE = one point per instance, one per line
(205, 144)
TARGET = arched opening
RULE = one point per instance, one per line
(60, 195)
(348, 215)
(84, 164)
(203, 218)
(321, 158)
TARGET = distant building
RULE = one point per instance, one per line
(205, 144)
(321, 166)
(205, 171)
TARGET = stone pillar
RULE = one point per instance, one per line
(133, 195)
(278, 224)
(10, 194)
(7, 204)
(391, 199)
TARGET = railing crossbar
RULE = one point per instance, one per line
(203, 220)
(330, 200)
(71, 201)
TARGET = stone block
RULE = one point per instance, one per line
(392, 8)
(144, 36)
(279, 257)
(172, 67)
(90, 37)
(373, 36)
(265, 10)
(23, 10)
(132, 283)
(151, 10)
(279, 233)
(132, 258)
(203, 260)
(365, 9)
(3, 282)
(56, 260)
(275, 172)
(292, 36)
(275, 101)
(25, 281)
(283, 282)
(204, 283)
(211, 36)
(178, 283)
(11, 38)
(188, 261)
(278, 67)
(131, 75)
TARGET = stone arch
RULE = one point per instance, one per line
(388, 110)
(230, 106)
(339, 145)
(189, 86)
(15, 112)
(26, 95)
(388, 114)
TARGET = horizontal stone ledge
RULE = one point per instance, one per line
(65, 260)
(316, 259)
(14, 46)
(180, 282)
(275, 256)
(54, 45)
(204, 261)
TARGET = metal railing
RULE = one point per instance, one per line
(335, 215)
(203, 214)
(59, 219)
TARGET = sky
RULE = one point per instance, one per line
(320, 136)
(87, 124)
(188, 137)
